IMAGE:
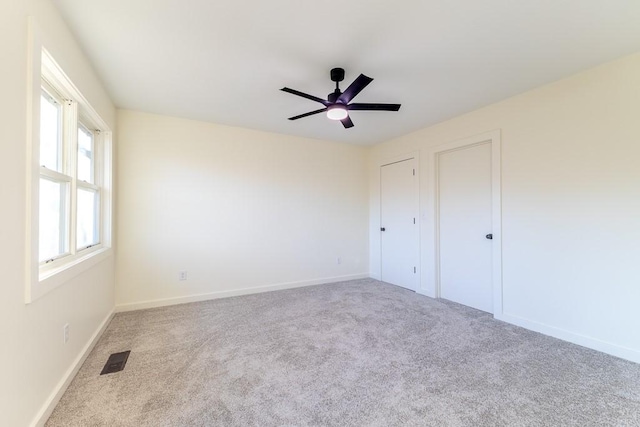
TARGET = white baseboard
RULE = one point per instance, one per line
(233, 293)
(48, 407)
(572, 337)
(425, 292)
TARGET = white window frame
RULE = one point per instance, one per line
(96, 185)
(43, 277)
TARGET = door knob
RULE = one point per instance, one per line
(489, 236)
(382, 229)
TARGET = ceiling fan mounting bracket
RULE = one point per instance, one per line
(337, 74)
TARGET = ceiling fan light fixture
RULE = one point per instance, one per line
(337, 112)
(338, 103)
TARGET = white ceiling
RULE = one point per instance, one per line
(223, 61)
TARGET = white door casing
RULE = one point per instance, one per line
(399, 225)
(431, 252)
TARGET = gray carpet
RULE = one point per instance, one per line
(359, 353)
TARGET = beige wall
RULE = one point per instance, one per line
(570, 203)
(237, 209)
(33, 356)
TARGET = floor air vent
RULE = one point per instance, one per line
(115, 363)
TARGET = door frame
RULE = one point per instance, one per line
(432, 223)
(415, 155)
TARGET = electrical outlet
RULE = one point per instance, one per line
(339, 260)
(66, 332)
(182, 275)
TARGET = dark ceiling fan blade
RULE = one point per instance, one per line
(347, 123)
(311, 113)
(354, 88)
(305, 95)
(373, 107)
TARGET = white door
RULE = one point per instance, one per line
(398, 224)
(464, 213)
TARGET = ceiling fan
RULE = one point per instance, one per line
(337, 104)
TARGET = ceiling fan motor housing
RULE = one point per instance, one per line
(333, 96)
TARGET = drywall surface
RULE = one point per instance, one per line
(33, 356)
(570, 203)
(238, 210)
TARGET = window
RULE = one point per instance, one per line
(70, 181)
(69, 190)
(88, 194)
(54, 183)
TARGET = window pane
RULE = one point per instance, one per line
(87, 218)
(50, 133)
(53, 219)
(85, 154)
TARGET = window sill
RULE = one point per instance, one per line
(53, 278)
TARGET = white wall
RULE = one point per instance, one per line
(238, 209)
(33, 357)
(570, 203)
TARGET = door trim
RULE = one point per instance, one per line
(432, 252)
(415, 155)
